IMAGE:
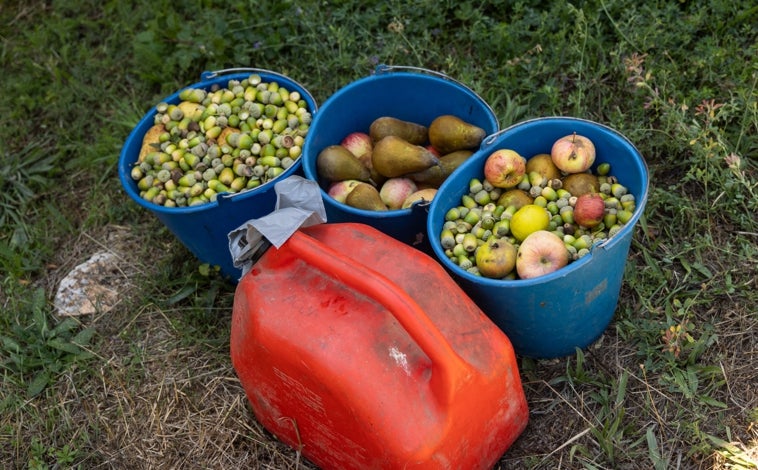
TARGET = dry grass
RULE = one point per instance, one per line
(154, 401)
(150, 401)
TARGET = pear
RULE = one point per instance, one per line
(410, 131)
(365, 196)
(435, 175)
(581, 183)
(376, 178)
(336, 163)
(422, 195)
(515, 197)
(394, 156)
(448, 133)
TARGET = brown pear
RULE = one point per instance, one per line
(365, 196)
(376, 178)
(448, 133)
(581, 183)
(410, 131)
(515, 197)
(336, 163)
(437, 174)
(423, 195)
(394, 156)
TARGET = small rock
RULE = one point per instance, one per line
(91, 287)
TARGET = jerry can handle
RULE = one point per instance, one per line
(449, 371)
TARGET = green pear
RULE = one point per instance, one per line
(365, 196)
(394, 156)
(448, 133)
(336, 163)
(437, 174)
(412, 132)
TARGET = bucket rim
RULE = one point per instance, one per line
(207, 79)
(387, 72)
(408, 70)
(496, 138)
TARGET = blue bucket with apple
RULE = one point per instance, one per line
(406, 93)
(553, 314)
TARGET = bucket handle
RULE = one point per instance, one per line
(449, 371)
(490, 139)
(384, 68)
(207, 75)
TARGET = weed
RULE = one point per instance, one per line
(24, 176)
(39, 351)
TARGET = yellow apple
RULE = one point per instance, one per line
(573, 153)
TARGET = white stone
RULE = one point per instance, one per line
(91, 287)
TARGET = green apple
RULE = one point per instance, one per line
(496, 258)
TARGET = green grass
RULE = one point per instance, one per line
(672, 384)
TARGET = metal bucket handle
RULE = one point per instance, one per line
(449, 370)
(490, 139)
(384, 68)
(207, 75)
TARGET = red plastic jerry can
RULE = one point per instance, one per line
(363, 353)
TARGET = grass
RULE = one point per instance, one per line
(671, 384)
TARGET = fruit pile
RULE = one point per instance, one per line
(528, 218)
(225, 139)
(396, 163)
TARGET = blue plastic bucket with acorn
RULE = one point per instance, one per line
(204, 160)
(552, 314)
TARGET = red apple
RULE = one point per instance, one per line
(504, 168)
(359, 144)
(431, 148)
(573, 153)
(541, 252)
(395, 191)
(341, 189)
(589, 210)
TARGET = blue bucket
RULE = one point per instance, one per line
(407, 93)
(203, 229)
(551, 315)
